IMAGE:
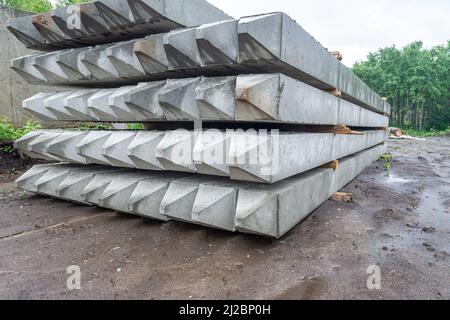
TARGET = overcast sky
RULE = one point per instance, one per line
(357, 27)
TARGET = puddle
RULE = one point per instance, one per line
(433, 210)
(309, 289)
(394, 179)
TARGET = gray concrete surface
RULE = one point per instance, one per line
(264, 157)
(108, 21)
(204, 51)
(13, 89)
(263, 98)
(268, 210)
(399, 223)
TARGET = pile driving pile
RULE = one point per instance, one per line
(241, 124)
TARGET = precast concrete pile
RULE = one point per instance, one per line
(241, 118)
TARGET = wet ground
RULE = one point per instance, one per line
(399, 223)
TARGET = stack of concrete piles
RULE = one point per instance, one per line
(246, 130)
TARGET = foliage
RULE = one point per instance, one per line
(102, 126)
(416, 82)
(9, 133)
(99, 126)
(35, 6)
(387, 158)
(38, 6)
(429, 133)
(7, 149)
(66, 3)
(136, 126)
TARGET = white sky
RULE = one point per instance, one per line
(357, 27)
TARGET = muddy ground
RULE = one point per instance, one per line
(400, 223)
(12, 165)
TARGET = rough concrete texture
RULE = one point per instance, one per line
(263, 98)
(268, 210)
(13, 89)
(264, 157)
(107, 21)
(219, 49)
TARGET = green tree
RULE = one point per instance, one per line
(66, 3)
(38, 6)
(415, 80)
(35, 6)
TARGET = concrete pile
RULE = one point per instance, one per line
(264, 209)
(277, 155)
(223, 48)
(241, 126)
(108, 21)
(232, 98)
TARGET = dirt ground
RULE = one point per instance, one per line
(12, 166)
(400, 223)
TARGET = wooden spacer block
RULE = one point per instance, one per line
(342, 129)
(337, 55)
(342, 197)
(331, 165)
(339, 129)
(335, 92)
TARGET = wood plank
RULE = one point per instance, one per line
(331, 165)
(335, 92)
(338, 55)
(342, 197)
(339, 129)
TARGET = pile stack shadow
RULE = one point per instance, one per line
(241, 124)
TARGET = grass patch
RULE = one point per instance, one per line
(8, 132)
(7, 149)
(102, 126)
(387, 158)
(424, 134)
(136, 126)
(87, 127)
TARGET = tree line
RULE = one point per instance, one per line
(38, 6)
(416, 82)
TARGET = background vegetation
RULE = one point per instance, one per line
(416, 82)
(38, 6)
(9, 133)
